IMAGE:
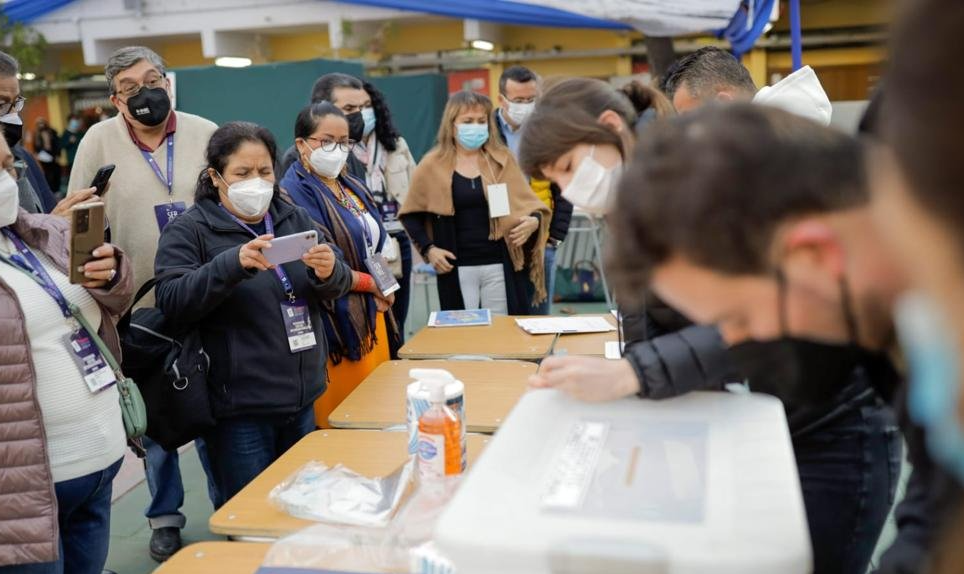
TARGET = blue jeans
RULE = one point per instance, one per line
(545, 307)
(402, 296)
(163, 472)
(83, 513)
(849, 474)
(240, 448)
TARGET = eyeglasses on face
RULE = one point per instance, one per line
(14, 107)
(329, 145)
(128, 88)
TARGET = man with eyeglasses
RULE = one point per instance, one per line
(35, 194)
(158, 154)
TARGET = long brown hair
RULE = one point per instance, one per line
(458, 103)
(568, 115)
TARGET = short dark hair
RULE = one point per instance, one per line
(757, 167)
(326, 85)
(224, 142)
(9, 66)
(307, 121)
(705, 70)
(922, 114)
(566, 116)
(519, 74)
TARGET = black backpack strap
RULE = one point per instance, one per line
(146, 288)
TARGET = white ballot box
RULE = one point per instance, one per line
(704, 483)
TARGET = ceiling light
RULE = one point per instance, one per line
(232, 62)
(484, 45)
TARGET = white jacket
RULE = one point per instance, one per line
(799, 93)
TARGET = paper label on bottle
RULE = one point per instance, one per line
(431, 456)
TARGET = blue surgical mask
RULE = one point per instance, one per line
(934, 385)
(473, 136)
(368, 115)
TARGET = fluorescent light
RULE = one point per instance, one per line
(484, 45)
(232, 62)
(768, 27)
(27, 76)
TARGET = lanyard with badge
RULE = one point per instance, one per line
(165, 212)
(96, 372)
(376, 263)
(388, 205)
(294, 311)
(497, 194)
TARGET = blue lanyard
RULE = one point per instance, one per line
(269, 227)
(28, 261)
(169, 181)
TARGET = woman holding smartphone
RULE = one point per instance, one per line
(261, 324)
(62, 438)
(359, 325)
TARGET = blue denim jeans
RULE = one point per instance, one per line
(163, 472)
(240, 448)
(849, 474)
(545, 308)
(84, 517)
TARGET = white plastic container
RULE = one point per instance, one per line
(701, 483)
(417, 402)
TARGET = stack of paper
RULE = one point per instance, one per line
(565, 325)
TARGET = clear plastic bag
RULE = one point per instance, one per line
(394, 547)
(341, 496)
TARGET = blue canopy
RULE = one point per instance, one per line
(27, 11)
(504, 11)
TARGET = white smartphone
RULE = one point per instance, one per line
(290, 247)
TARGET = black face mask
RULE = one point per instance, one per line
(356, 127)
(800, 370)
(13, 133)
(150, 106)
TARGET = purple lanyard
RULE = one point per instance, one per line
(169, 181)
(28, 261)
(269, 227)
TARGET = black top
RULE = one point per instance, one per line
(472, 223)
(238, 311)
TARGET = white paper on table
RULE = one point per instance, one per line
(565, 325)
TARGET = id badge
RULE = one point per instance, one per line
(498, 200)
(168, 212)
(301, 336)
(381, 272)
(93, 367)
(390, 216)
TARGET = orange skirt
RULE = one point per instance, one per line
(344, 377)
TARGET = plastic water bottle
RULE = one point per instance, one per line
(439, 436)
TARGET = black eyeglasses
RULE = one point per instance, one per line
(328, 145)
(130, 89)
(14, 107)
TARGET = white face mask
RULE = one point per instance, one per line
(250, 197)
(9, 199)
(519, 113)
(328, 163)
(592, 185)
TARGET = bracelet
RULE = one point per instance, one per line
(364, 283)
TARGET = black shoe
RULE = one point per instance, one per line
(165, 542)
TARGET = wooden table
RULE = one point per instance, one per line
(216, 558)
(592, 344)
(369, 453)
(492, 388)
(501, 340)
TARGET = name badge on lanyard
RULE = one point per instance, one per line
(295, 313)
(93, 367)
(498, 196)
(378, 267)
(165, 213)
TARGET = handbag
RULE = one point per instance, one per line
(170, 368)
(581, 283)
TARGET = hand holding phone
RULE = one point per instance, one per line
(290, 247)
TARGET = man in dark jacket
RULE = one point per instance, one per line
(801, 288)
(518, 91)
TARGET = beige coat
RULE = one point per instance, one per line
(28, 505)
